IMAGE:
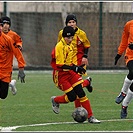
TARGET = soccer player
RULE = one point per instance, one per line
(18, 42)
(66, 77)
(81, 47)
(8, 49)
(126, 46)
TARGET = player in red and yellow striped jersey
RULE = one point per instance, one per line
(66, 77)
(18, 43)
(81, 47)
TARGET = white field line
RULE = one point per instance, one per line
(7, 129)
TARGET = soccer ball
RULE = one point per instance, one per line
(80, 114)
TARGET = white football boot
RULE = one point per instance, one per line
(12, 86)
(55, 106)
(92, 119)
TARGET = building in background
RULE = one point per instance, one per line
(38, 24)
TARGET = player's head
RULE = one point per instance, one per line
(6, 24)
(71, 20)
(68, 33)
(6, 20)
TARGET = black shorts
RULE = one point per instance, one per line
(130, 65)
(3, 89)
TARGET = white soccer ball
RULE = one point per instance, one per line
(80, 114)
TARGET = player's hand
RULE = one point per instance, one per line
(78, 69)
(21, 75)
(117, 57)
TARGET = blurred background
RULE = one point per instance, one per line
(38, 24)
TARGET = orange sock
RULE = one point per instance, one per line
(87, 106)
(85, 83)
(61, 99)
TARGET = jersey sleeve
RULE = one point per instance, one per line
(59, 55)
(17, 53)
(124, 40)
(86, 41)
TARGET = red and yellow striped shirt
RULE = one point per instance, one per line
(80, 42)
(62, 54)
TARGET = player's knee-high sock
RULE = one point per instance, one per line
(86, 104)
(61, 99)
(128, 98)
(85, 83)
(126, 85)
(77, 103)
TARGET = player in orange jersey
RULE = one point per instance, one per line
(8, 49)
(81, 47)
(126, 46)
(18, 42)
(66, 77)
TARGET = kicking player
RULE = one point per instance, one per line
(81, 47)
(66, 77)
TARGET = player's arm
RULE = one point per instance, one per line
(18, 41)
(86, 44)
(124, 40)
(123, 44)
(75, 68)
(20, 60)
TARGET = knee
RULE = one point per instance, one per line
(71, 96)
(79, 91)
(131, 87)
(130, 75)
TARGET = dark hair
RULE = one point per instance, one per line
(68, 31)
(71, 17)
(6, 20)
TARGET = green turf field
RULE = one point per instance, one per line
(30, 109)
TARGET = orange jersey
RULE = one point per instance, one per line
(7, 50)
(15, 37)
(127, 38)
(80, 42)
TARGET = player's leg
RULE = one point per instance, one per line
(126, 102)
(77, 103)
(66, 98)
(85, 103)
(65, 86)
(86, 83)
(124, 90)
(3, 89)
(12, 86)
(126, 84)
(56, 100)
